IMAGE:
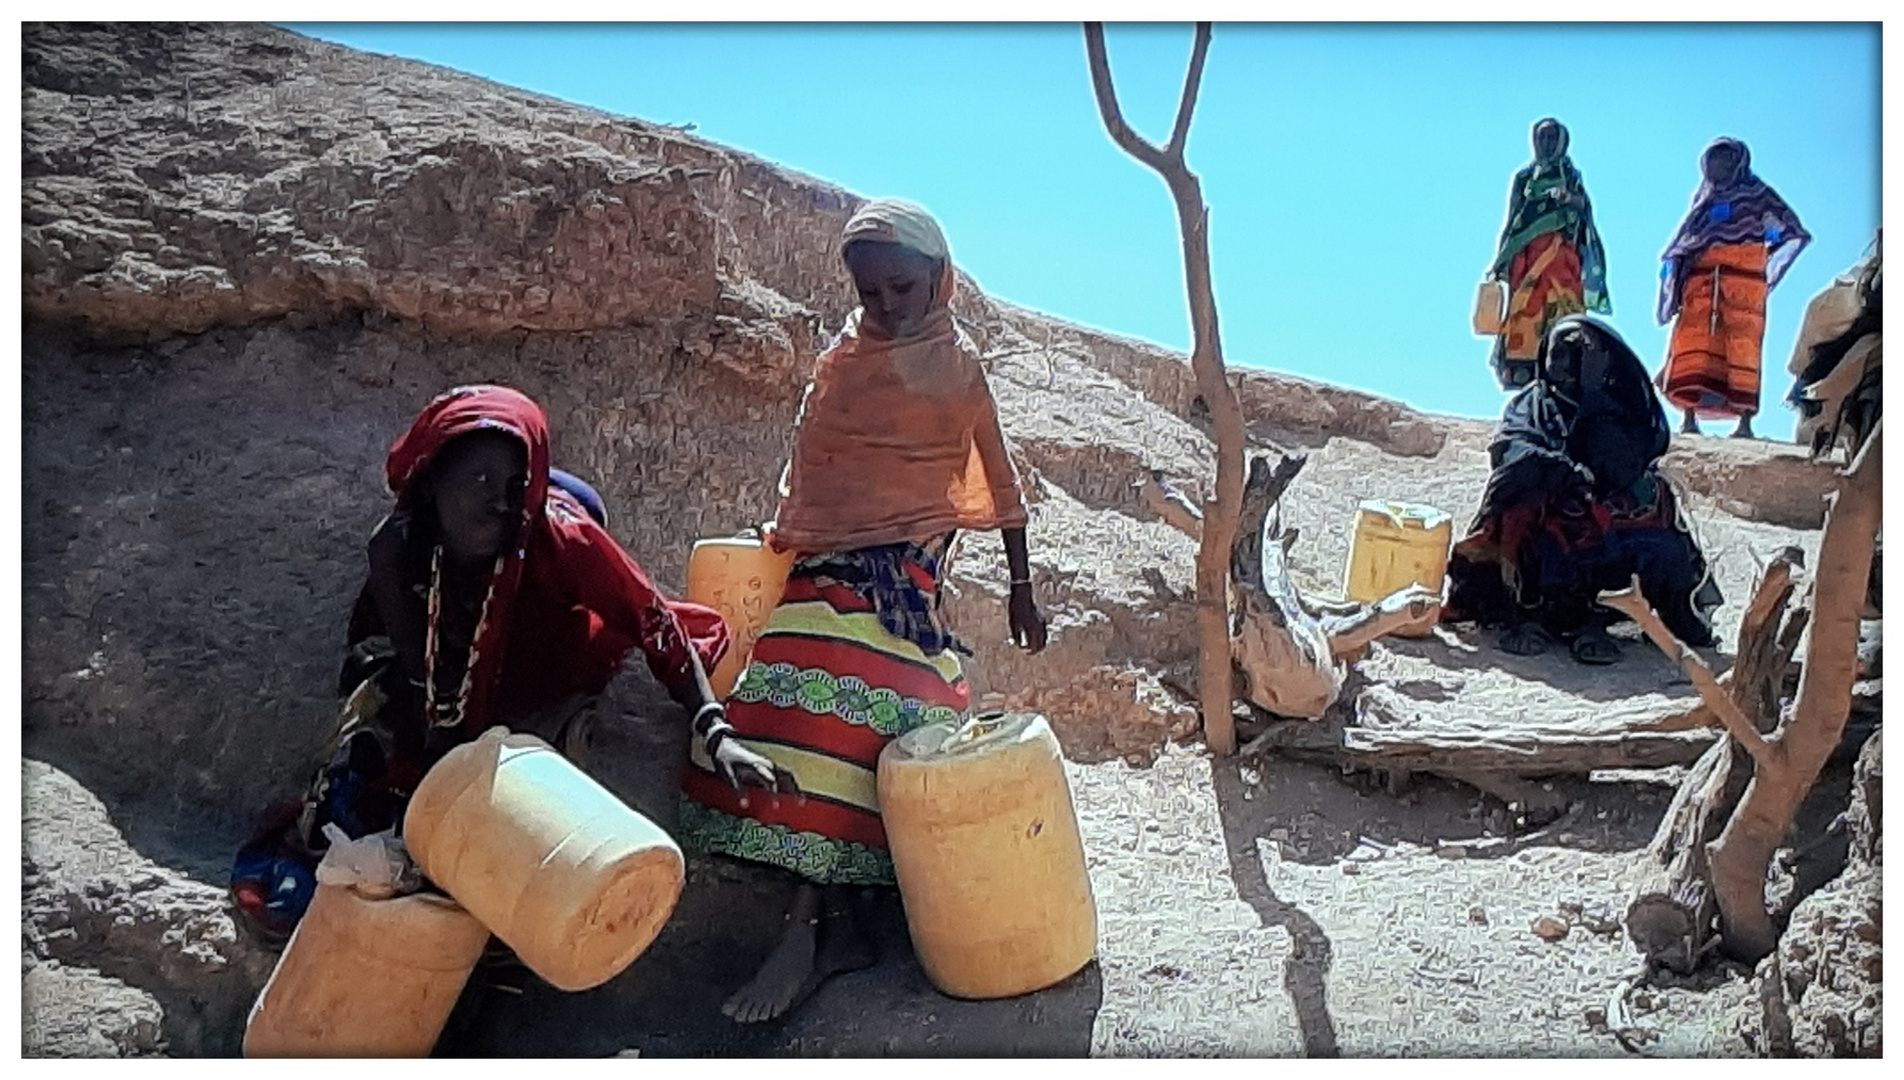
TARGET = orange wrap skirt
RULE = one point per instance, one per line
(1713, 358)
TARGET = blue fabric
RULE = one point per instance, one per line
(878, 575)
(590, 499)
(286, 883)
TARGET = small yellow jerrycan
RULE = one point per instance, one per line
(742, 578)
(550, 861)
(986, 849)
(366, 978)
(1394, 545)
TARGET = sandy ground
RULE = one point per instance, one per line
(1246, 907)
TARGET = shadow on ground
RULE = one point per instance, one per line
(1642, 669)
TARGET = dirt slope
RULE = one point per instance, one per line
(250, 257)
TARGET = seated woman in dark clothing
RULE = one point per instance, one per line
(494, 596)
(1576, 505)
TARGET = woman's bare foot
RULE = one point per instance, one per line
(1691, 426)
(1744, 430)
(817, 944)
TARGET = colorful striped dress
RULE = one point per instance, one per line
(853, 657)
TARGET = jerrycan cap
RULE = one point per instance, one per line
(1406, 514)
(979, 734)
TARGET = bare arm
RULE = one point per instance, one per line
(1027, 624)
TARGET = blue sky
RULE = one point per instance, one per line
(1356, 174)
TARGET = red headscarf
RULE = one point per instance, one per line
(568, 603)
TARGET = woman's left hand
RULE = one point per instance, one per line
(1027, 625)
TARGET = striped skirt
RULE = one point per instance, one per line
(1712, 364)
(826, 688)
(1544, 285)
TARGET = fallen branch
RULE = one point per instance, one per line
(1631, 602)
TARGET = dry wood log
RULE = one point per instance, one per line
(1282, 655)
(1206, 361)
(1537, 752)
(1618, 738)
(1742, 852)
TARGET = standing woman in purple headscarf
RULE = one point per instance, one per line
(1736, 242)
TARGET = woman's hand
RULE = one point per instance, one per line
(1027, 625)
(742, 767)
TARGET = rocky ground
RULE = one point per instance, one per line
(237, 291)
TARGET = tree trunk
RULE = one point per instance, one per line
(1671, 917)
(1742, 853)
(1206, 361)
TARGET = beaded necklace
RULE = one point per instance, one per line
(450, 714)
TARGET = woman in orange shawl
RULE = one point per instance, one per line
(1735, 244)
(896, 448)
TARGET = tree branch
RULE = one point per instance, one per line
(1632, 603)
(1121, 133)
(1192, 80)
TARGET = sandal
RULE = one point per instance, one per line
(1595, 647)
(1527, 639)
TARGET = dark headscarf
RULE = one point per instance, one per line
(1589, 423)
(1534, 208)
(1732, 206)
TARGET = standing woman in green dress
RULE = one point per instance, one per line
(1550, 257)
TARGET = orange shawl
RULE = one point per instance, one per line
(896, 440)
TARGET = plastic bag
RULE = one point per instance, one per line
(377, 866)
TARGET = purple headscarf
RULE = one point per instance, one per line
(1732, 206)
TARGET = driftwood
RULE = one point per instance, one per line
(1288, 660)
(1206, 361)
(1485, 755)
(1284, 663)
(1672, 916)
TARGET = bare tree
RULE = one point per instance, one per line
(1214, 684)
(1786, 763)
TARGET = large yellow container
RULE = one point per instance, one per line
(742, 578)
(1394, 545)
(366, 978)
(563, 872)
(985, 845)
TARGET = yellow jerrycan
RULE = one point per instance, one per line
(561, 870)
(742, 578)
(366, 978)
(1394, 545)
(986, 849)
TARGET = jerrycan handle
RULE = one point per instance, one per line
(975, 727)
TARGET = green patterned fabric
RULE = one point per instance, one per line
(815, 857)
(849, 698)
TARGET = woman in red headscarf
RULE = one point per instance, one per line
(493, 597)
